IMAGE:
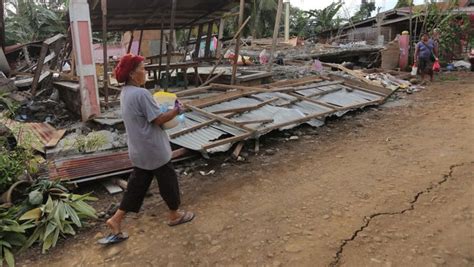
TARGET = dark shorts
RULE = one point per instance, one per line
(140, 181)
(425, 65)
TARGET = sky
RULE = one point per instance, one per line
(350, 7)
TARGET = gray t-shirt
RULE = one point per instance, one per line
(148, 144)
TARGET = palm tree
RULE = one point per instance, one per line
(324, 19)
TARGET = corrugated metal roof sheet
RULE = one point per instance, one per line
(284, 110)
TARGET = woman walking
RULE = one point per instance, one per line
(426, 52)
(149, 148)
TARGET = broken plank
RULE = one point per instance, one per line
(302, 98)
(196, 127)
(237, 150)
(111, 187)
(193, 91)
(226, 141)
(121, 182)
(237, 87)
(255, 121)
(247, 108)
(217, 117)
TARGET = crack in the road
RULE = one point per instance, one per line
(367, 219)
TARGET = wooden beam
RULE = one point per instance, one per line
(210, 80)
(255, 121)
(275, 34)
(193, 91)
(162, 39)
(220, 36)
(302, 98)
(237, 150)
(237, 44)
(104, 48)
(226, 141)
(2, 25)
(170, 44)
(140, 43)
(220, 56)
(130, 43)
(198, 41)
(247, 108)
(207, 49)
(221, 119)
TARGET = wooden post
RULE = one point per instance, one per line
(287, 21)
(104, 48)
(188, 39)
(82, 43)
(170, 44)
(140, 43)
(275, 34)
(237, 43)
(130, 43)
(162, 39)
(220, 56)
(2, 25)
(208, 40)
(198, 42)
(221, 35)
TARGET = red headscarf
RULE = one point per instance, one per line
(127, 64)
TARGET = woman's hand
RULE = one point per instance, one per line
(178, 106)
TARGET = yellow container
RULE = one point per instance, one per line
(166, 102)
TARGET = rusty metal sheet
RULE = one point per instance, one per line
(89, 165)
(38, 135)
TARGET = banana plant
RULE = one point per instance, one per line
(12, 235)
(57, 218)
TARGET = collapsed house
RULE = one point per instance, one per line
(226, 105)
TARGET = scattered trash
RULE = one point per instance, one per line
(203, 173)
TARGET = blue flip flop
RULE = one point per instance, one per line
(113, 239)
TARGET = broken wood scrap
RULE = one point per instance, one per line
(247, 108)
(262, 121)
(222, 119)
(237, 150)
(355, 74)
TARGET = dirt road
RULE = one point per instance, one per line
(389, 186)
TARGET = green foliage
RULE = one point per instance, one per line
(364, 12)
(12, 164)
(28, 21)
(8, 104)
(12, 235)
(46, 214)
(403, 3)
(320, 20)
(263, 17)
(19, 160)
(57, 217)
(453, 28)
(91, 142)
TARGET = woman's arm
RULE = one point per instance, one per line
(166, 117)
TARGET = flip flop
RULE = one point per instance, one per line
(187, 217)
(113, 239)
